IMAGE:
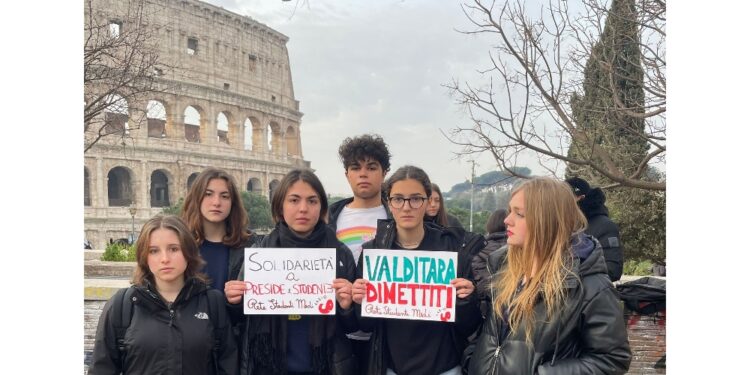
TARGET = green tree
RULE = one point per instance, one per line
(539, 96)
(258, 210)
(612, 108)
(174, 209)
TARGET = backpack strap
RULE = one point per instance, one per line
(122, 314)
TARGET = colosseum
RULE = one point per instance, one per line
(226, 101)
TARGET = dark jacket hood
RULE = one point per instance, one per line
(593, 204)
(589, 255)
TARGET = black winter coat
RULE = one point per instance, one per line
(604, 229)
(467, 310)
(263, 350)
(587, 337)
(160, 339)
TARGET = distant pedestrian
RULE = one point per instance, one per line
(170, 323)
(437, 212)
(591, 201)
(554, 310)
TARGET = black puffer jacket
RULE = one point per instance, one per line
(163, 340)
(264, 345)
(604, 229)
(467, 310)
(587, 337)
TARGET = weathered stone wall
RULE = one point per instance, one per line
(92, 309)
(648, 342)
(239, 70)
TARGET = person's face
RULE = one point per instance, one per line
(217, 201)
(515, 222)
(433, 205)
(301, 208)
(408, 217)
(165, 259)
(365, 178)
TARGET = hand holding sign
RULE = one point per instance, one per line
(234, 290)
(359, 289)
(343, 292)
(464, 287)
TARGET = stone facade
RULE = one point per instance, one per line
(228, 103)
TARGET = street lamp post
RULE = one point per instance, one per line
(132, 210)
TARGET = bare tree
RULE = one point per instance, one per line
(121, 68)
(536, 76)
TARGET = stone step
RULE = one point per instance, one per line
(102, 289)
(96, 268)
(92, 254)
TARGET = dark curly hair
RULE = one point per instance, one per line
(356, 149)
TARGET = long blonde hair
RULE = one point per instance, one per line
(552, 216)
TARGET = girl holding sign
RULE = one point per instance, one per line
(400, 346)
(554, 309)
(303, 344)
(169, 321)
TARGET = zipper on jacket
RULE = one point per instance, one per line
(494, 358)
(171, 316)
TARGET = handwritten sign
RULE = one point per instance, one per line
(290, 281)
(410, 284)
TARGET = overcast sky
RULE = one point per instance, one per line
(377, 67)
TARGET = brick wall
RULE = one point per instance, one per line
(647, 336)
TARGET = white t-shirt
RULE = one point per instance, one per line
(355, 226)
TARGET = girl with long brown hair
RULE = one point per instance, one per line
(554, 309)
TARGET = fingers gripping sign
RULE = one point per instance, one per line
(343, 293)
(359, 289)
(234, 290)
(464, 287)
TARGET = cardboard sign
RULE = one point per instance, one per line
(410, 284)
(290, 281)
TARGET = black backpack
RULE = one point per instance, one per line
(646, 296)
(122, 312)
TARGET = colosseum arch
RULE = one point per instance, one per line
(156, 117)
(222, 128)
(193, 118)
(120, 187)
(291, 141)
(86, 189)
(116, 114)
(159, 191)
(191, 179)
(254, 185)
(272, 188)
